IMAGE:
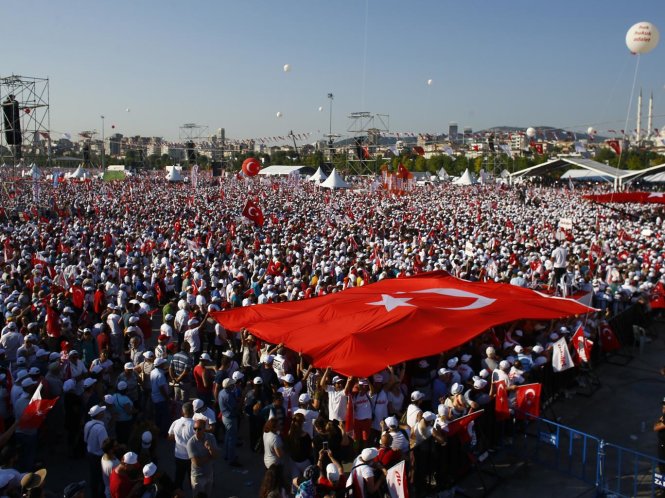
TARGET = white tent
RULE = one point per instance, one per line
(656, 178)
(335, 180)
(79, 174)
(174, 174)
(505, 174)
(443, 174)
(318, 177)
(584, 175)
(466, 179)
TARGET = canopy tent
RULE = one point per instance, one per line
(361, 330)
(617, 176)
(318, 177)
(79, 173)
(335, 180)
(278, 170)
(443, 174)
(174, 174)
(505, 174)
(467, 178)
(656, 178)
(585, 175)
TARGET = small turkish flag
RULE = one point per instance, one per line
(608, 339)
(658, 296)
(460, 426)
(253, 213)
(582, 346)
(36, 411)
(501, 406)
(527, 401)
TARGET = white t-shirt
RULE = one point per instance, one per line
(182, 430)
(362, 406)
(107, 468)
(380, 402)
(336, 404)
(291, 395)
(310, 417)
(412, 415)
(194, 339)
(362, 471)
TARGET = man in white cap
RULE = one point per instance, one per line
(304, 408)
(229, 407)
(27, 437)
(338, 394)
(122, 482)
(159, 392)
(363, 477)
(94, 435)
(414, 412)
(123, 409)
(378, 394)
(362, 413)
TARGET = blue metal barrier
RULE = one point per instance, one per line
(613, 470)
(561, 448)
(628, 473)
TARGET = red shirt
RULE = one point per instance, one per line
(388, 457)
(103, 341)
(199, 373)
(120, 485)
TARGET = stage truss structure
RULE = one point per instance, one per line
(367, 129)
(32, 95)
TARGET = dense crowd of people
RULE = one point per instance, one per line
(105, 299)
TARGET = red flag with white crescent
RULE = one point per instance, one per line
(608, 339)
(253, 212)
(527, 401)
(460, 426)
(501, 404)
(34, 414)
(363, 329)
(582, 346)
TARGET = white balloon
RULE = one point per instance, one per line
(279, 114)
(127, 110)
(642, 37)
(429, 82)
(287, 68)
(320, 108)
(530, 132)
(591, 131)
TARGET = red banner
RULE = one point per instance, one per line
(361, 330)
(624, 197)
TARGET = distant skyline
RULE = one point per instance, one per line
(220, 64)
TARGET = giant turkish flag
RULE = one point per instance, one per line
(361, 330)
(623, 197)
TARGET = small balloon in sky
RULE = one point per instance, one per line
(127, 110)
(530, 132)
(429, 82)
(320, 108)
(590, 130)
(279, 114)
(642, 37)
(287, 68)
(113, 127)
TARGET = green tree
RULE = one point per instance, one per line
(420, 164)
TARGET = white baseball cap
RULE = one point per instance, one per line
(130, 458)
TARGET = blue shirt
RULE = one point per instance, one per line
(228, 403)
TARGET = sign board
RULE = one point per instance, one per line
(468, 248)
(566, 223)
(659, 479)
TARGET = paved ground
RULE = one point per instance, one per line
(621, 411)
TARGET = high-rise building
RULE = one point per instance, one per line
(453, 131)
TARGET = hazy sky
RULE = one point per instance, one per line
(220, 63)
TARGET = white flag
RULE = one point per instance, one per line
(561, 359)
(396, 480)
(195, 176)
